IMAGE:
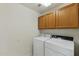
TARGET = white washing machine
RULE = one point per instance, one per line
(38, 45)
(59, 47)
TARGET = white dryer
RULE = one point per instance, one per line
(59, 47)
(39, 45)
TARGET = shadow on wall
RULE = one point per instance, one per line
(76, 50)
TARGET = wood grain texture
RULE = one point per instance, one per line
(50, 20)
(47, 21)
(68, 17)
(42, 22)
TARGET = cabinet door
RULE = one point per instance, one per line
(68, 17)
(42, 22)
(50, 20)
(57, 19)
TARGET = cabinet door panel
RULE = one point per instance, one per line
(68, 17)
(50, 20)
(57, 19)
(42, 22)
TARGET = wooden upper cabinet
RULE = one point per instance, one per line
(67, 17)
(50, 20)
(42, 22)
(47, 21)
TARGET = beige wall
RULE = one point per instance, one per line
(18, 26)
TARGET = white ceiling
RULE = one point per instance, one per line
(41, 9)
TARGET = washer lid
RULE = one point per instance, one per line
(60, 42)
(42, 38)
